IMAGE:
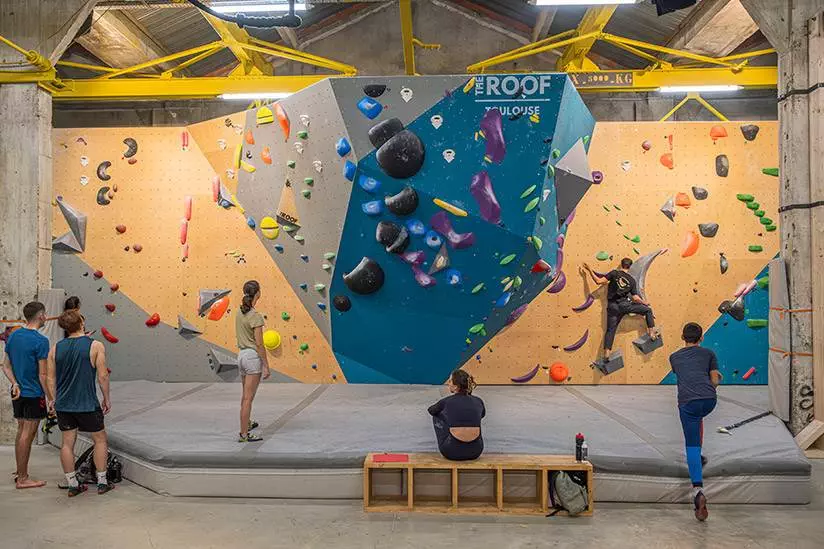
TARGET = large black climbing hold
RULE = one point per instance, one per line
(749, 131)
(722, 165)
(392, 236)
(402, 156)
(613, 364)
(374, 90)
(708, 230)
(646, 344)
(403, 203)
(733, 308)
(342, 303)
(101, 196)
(383, 131)
(700, 193)
(366, 278)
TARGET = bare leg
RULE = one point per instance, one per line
(101, 450)
(26, 431)
(67, 450)
(250, 385)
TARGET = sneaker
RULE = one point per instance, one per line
(253, 425)
(77, 490)
(103, 488)
(701, 512)
(250, 437)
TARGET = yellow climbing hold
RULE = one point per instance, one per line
(246, 167)
(506, 279)
(534, 118)
(509, 285)
(271, 340)
(238, 155)
(264, 116)
(469, 85)
(532, 204)
(269, 228)
(454, 210)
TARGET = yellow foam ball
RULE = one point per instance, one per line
(271, 339)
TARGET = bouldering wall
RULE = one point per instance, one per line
(469, 234)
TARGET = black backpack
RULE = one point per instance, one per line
(87, 472)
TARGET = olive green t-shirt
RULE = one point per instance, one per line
(245, 325)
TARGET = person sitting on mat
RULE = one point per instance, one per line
(75, 363)
(252, 362)
(696, 369)
(622, 299)
(457, 419)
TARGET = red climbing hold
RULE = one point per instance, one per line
(184, 140)
(114, 287)
(120, 229)
(187, 208)
(137, 248)
(749, 373)
(184, 231)
(218, 308)
(184, 252)
(110, 307)
(111, 338)
(216, 188)
(283, 120)
(541, 266)
(98, 274)
(153, 320)
(132, 161)
(666, 160)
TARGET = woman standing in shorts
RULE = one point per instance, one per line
(251, 359)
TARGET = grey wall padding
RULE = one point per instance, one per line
(159, 353)
(53, 299)
(779, 325)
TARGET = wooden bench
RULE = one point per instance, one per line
(501, 476)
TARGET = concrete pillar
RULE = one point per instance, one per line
(793, 28)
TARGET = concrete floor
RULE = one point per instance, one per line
(132, 517)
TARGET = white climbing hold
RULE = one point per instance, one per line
(84, 161)
(449, 155)
(626, 165)
(406, 95)
(84, 180)
(318, 165)
(299, 147)
(221, 144)
(437, 121)
(304, 119)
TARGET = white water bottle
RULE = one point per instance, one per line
(584, 452)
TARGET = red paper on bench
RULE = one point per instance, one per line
(391, 458)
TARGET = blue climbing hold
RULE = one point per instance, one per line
(321, 305)
(433, 239)
(370, 108)
(305, 258)
(314, 366)
(454, 277)
(415, 227)
(343, 147)
(225, 203)
(250, 222)
(368, 184)
(303, 286)
(373, 207)
(279, 248)
(349, 170)
(503, 300)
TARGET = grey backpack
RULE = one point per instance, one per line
(568, 492)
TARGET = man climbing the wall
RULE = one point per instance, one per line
(696, 370)
(25, 367)
(622, 299)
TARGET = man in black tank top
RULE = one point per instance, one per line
(622, 299)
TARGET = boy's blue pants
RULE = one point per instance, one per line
(692, 421)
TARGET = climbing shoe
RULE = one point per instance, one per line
(76, 490)
(700, 501)
(253, 425)
(249, 437)
(103, 488)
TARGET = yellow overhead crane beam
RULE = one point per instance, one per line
(574, 57)
(235, 38)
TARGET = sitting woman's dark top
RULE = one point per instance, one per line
(457, 420)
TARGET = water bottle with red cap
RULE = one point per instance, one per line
(579, 447)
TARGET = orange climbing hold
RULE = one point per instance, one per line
(666, 160)
(683, 200)
(690, 244)
(717, 132)
(559, 372)
(250, 139)
(266, 155)
(283, 120)
(218, 308)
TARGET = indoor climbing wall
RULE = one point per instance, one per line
(664, 187)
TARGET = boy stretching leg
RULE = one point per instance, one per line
(696, 369)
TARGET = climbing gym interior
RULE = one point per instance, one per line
(452, 204)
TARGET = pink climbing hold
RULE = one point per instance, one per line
(749, 373)
(184, 252)
(216, 188)
(483, 193)
(184, 140)
(441, 223)
(184, 231)
(422, 278)
(492, 126)
(414, 258)
(187, 208)
(137, 248)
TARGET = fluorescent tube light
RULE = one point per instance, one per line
(261, 95)
(698, 89)
(256, 8)
(583, 2)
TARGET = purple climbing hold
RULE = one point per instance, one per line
(343, 147)
(370, 108)
(349, 170)
(414, 258)
(483, 193)
(597, 177)
(569, 218)
(578, 344)
(559, 260)
(441, 223)
(491, 125)
(560, 239)
(516, 314)
(422, 278)
(558, 284)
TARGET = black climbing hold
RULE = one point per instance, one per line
(700, 193)
(101, 196)
(392, 236)
(708, 230)
(101, 170)
(733, 308)
(374, 90)
(366, 278)
(383, 131)
(749, 131)
(402, 156)
(132, 147)
(403, 203)
(249, 154)
(342, 303)
(723, 264)
(722, 165)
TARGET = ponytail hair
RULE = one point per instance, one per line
(463, 381)
(250, 290)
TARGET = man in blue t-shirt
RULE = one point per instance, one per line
(696, 369)
(25, 367)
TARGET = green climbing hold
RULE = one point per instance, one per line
(517, 282)
(770, 228)
(541, 221)
(757, 323)
(602, 256)
(290, 163)
(326, 266)
(329, 255)
(320, 287)
(556, 153)
(285, 316)
(616, 207)
(770, 171)
(586, 139)
(764, 282)
(529, 190)
(508, 259)
(537, 242)
(550, 170)
(636, 251)
(755, 248)
(753, 205)
(531, 205)
(304, 346)
(308, 181)
(303, 134)
(478, 288)
(606, 208)
(299, 238)
(306, 193)
(745, 197)
(766, 221)
(759, 213)
(289, 228)
(635, 239)
(476, 329)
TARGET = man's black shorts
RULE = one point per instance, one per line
(33, 408)
(87, 422)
